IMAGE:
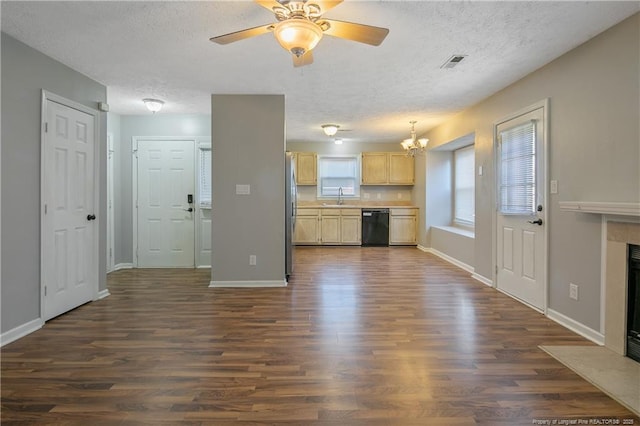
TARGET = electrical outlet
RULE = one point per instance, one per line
(554, 187)
(573, 291)
(399, 195)
(367, 195)
(252, 259)
(379, 196)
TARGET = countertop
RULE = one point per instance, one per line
(356, 206)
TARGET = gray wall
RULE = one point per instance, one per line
(594, 153)
(248, 143)
(159, 124)
(25, 72)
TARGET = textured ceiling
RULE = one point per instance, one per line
(162, 50)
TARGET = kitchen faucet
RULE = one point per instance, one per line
(340, 194)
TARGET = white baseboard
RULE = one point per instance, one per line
(103, 293)
(483, 280)
(21, 331)
(448, 258)
(203, 267)
(577, 327)
(248, 284)
(122, 266)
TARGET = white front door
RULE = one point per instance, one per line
(165, 218)
(521, 239)
(69, 232)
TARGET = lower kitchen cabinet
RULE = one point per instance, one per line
(307, 227)
(403, 226)
(351, 227)
(337, 226)
(328, 226)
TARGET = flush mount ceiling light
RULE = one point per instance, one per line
(153, 105)
(330, 129)
(414, 145)
(337, 141)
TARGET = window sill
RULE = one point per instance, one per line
(455, 230)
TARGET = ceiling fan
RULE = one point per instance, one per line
(300, 27)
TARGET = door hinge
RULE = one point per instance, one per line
(496, 269)
(45, 209)
(45, 290)
(46, 127)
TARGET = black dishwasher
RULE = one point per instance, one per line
(375, 227)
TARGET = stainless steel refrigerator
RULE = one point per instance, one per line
(290, 196)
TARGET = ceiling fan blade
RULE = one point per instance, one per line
(357, 32)
(325, 4)
(268, 4)
(301, 61)
(241, 35)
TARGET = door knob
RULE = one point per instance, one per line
(190, 209)
(536, 222)
(91, 217)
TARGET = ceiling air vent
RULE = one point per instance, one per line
(453, 61)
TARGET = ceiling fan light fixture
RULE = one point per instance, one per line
(153, 105)
(297, 36)
(330, 129)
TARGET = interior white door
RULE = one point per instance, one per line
(69, 227)
(165, 216)
(521, 239)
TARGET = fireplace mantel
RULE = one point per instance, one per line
(607, 208)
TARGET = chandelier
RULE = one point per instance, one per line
(414, 145)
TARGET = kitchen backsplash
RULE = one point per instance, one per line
(375, 194)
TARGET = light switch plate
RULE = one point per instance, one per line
(479, 170)
(243, 189)
(554, 186)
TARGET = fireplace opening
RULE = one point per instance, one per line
(633, 303)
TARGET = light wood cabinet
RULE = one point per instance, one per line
(403, 226)
(401, 169)
(306, 168)
(307, 230)
(328, 226)
(375, 168)
(351, 226)
(387, 168)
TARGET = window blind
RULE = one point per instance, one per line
(464, 185)
(338, 172)
(518, 170)
(205, 178)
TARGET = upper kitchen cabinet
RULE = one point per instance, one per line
(375, 168)
(306, 163)
(387, 168)
(401, 169)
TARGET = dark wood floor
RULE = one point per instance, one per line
(362, 336)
